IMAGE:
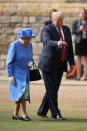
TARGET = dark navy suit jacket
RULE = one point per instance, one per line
(50, 57)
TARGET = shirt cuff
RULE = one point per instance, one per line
(59, 45)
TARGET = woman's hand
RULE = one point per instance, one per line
(11, 79)
(30, 64)
(82, 28)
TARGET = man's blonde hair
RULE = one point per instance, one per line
(57, 15)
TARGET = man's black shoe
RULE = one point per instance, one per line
(43, 116)
(58, 117)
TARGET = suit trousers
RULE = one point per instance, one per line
(52, 82)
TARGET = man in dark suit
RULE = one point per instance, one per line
(57, 51)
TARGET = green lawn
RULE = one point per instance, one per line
(76, 119)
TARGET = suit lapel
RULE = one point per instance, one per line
(64, 31)
(65, 36)
(54, 31)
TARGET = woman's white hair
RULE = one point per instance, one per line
(57, 15)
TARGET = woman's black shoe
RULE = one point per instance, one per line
(25, 118)
(15, 118)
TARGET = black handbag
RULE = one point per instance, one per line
(35, 73)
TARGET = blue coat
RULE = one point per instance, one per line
(17, 60)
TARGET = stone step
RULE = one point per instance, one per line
(10, 8)
(33, 1)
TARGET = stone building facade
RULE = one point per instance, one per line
(15, 14)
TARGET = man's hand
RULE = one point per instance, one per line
(11, 79)
(71, 67)
(62, 43)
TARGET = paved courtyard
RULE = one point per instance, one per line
(71, 91)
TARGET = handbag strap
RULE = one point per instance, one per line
(34, 65)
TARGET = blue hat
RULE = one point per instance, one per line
(26, 33)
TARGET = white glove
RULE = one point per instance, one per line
(11, 79)
(30, 64)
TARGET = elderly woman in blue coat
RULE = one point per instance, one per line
(18, 59)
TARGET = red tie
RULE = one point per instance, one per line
(63, 55)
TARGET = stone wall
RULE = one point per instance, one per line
(15, 14)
